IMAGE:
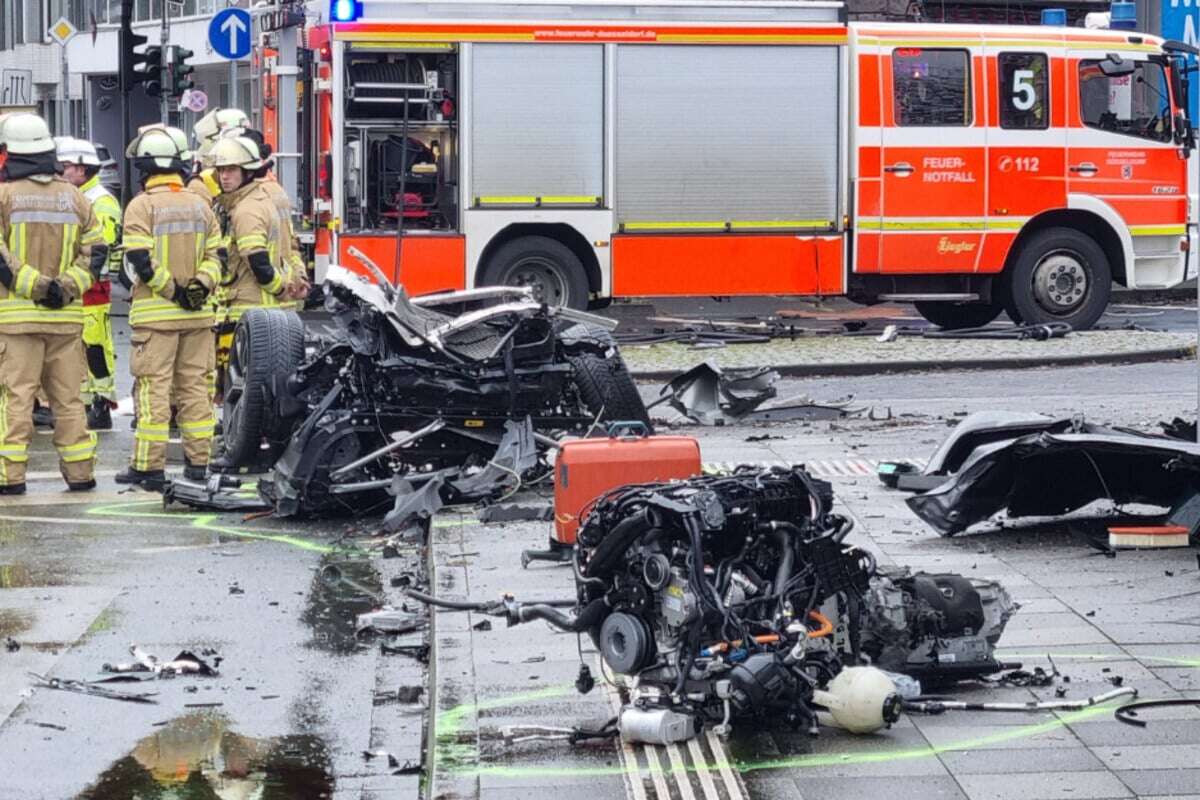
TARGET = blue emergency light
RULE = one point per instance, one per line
(1054, 16)
(346, 10)
(1123, 16)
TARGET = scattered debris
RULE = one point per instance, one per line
(186, 663)
(939, 706)
(49, 725)
(763, 437)
(91, 688)
(407, 695)
(392, 761)
(387, 620)
(482, 625)
(514, 512)
(1128, 713)
(711, 395)
(391, 647)
(11, 644)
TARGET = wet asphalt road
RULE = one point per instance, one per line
(294, 706)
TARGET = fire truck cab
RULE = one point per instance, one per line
(597, 149)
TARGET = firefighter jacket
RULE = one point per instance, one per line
(108, 212)
(283, 207)
(181, 233)
(47, 230)
(204, 183)
(254, 227)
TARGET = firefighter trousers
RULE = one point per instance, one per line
(52, 363)
(171, 366)
(101, 360)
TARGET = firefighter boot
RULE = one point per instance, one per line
(43, 417)
(151, 480)
(99, 414)
(13, 488)
(194, 472)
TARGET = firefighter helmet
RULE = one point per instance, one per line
(159, 148)
(236, 151)
(209, 127)
(76, 151)
(27, 134)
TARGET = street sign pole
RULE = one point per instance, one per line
(164, 36)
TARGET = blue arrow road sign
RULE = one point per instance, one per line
(229, 33)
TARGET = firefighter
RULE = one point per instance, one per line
(297, 270)
(206, 132)
(171, 239)
(51, 251)
(81, 167)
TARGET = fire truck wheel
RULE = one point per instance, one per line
(1059, 275)
(952, 316)
(547, 265)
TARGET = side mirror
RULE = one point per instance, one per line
(1115, 67)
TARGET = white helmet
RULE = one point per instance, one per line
(236, 151)
(159, 146)
(209, 127)
(27, 134)
(76, 151)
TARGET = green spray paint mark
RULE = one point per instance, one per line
(204, 522)
(450, 722)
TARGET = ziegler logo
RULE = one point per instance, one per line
(1165, 190)
(947, 246)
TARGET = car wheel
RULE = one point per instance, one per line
(265, 345)
(607, 389)
(953, 316)
(546, 265)
(1059, 275)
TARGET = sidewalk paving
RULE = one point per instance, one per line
(862, 355)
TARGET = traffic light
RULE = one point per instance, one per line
(142, 67)
(181, 71)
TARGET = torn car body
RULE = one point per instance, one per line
(1047, 468)
(405, 388)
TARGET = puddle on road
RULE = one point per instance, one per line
(198, 757)
(331, 609)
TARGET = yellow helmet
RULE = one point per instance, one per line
(235, 151)
(27, 134)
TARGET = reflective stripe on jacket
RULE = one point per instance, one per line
(47, 229)
(180, 232)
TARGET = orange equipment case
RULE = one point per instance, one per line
(587, 468)
(584, 469)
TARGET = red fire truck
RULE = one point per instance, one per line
(597, 149)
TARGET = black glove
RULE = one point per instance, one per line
(197, 293)
(55, 297)
(99, 260)
(141, 264)
(260, 265)
(6, 274)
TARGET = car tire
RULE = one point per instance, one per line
(954, 316)
(1059, 275)
(264, 346)
(607, 389)
(546, 264)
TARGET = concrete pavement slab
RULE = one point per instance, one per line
(1043, 786)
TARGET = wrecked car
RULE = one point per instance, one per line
(404, 389)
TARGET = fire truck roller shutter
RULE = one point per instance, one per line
(537, 143)
(733, 137)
